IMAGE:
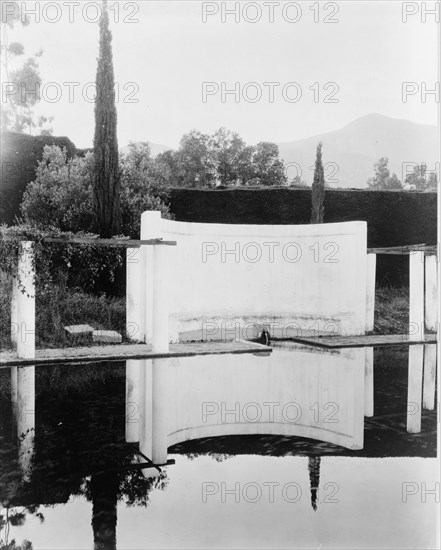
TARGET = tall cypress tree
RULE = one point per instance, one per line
(105, 143)
(318, 189)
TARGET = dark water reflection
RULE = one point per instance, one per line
(70, 478)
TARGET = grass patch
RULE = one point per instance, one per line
(391, 310)
(61, 306)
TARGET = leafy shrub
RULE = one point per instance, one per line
(72, 265)
(61, 196)
(143, 187)
(59, 202)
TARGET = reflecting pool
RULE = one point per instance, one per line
(303, 448)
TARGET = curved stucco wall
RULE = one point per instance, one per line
(307, 276)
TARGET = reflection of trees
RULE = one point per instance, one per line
(104, 491)
(25, 545)
(16, 518)
(80, 449)
(314, 479)
(218, 457)
(135, 488)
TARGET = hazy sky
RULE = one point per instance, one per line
(358, 63)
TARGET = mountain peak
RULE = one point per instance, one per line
(351, 151)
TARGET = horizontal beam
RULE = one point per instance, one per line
(122, 352)
(404, 250)
(127, 243)
(366, 340)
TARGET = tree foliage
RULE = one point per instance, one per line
(61, 196)
(143, 187)
(22, 83)
(318, 189)
(421, 179)
(223, 159)
(106, 174)
(382, 179)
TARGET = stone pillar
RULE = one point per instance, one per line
(161, 290)
(135, 301)
(431, 293)
(14, 310)
(26, 302)
(416, 296)
(370, 290)
(414, 388)
(150, 229)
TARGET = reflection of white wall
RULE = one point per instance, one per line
(293, 393)
(305, 274)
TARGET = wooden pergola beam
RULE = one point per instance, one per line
(404, 250)
(126, 243)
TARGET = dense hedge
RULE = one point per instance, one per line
(394, 217)
(19, 156)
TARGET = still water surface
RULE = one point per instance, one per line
(301, 449)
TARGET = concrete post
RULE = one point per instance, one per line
(135, 300)
(150, 229)
(369, 382)
(414, 388)
(26, 302)
(161, 289)
(14, 310)
(429, 376)
(370, 291)
(132, 401)
(431, 294)
(416, 296)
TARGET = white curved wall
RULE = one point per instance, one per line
(308, 276)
